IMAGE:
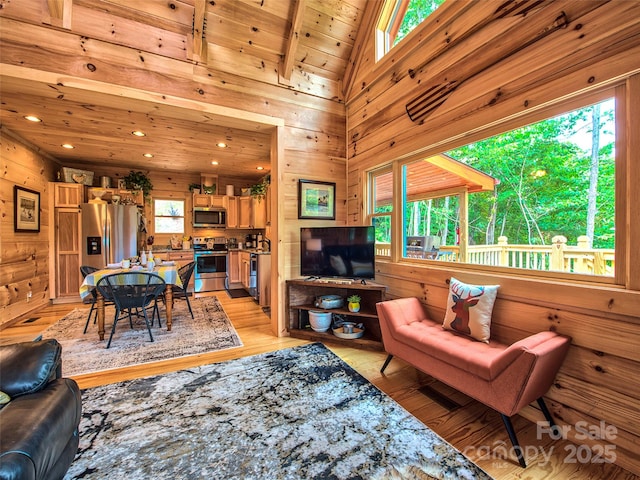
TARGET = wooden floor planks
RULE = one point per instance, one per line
(472, 428)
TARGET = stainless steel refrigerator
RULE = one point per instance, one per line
(109, 233)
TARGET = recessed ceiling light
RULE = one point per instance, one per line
(148, 155)
(32, 118)
(259, 168)
(221, 144)
(214, 162)
(138, 133)
(67, 145)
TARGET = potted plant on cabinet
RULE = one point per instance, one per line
(138, 181)
(354, 303)
(259, 190)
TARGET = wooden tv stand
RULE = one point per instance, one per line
(301, 296)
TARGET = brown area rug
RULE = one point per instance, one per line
(210, 330)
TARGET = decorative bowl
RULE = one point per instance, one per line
(356, 333)
(329, 301)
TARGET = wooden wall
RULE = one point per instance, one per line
(311, 142)
(499, 68)
(24, 257)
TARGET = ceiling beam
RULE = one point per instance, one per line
(60, 13)
(292, 43)
(231, 117)
(198, 32)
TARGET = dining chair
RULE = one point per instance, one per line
(185, 272)
(93, 299)
(132, 290)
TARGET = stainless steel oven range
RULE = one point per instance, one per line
(210, 255)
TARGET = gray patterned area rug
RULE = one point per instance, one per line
(298, 413)
(210, 330)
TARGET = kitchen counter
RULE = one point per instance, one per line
(251, 250)
(169, 250)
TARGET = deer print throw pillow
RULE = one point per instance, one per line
(469, 309)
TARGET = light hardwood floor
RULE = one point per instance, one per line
(472, 428)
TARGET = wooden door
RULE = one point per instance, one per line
(68, 194)
(68, 252)
(267, 206)
(245, 269)
(244, 212)
(234, 266)
(259, 212)
(200, 200)
(231, 204)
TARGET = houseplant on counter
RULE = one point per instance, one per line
(354, 303)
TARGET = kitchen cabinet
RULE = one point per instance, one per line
(68, 194)
(231, 206)
(68, 253)
(267, 207)
(244, 212)
(252, 212)
(245, 269)
(263, 279)
(233, 267)
(205, 200)
(259, 212)
(181, 257)
(300, 299)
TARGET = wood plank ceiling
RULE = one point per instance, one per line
(301, 45)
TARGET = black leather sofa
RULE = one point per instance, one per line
(39, 425)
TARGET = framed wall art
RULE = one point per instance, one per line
(26, 210)
(316, 200)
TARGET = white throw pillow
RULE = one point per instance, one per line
(469, 309)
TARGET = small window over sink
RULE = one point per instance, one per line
(168, 216)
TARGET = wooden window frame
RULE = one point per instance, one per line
(624, 100)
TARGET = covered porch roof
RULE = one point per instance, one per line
(435, 174)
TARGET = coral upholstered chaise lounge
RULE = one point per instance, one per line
(503, 377)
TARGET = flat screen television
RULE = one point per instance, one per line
(338, 252)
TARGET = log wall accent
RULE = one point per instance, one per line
(24, 257)
(491, 71)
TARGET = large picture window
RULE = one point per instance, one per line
(540, 197)
(381, 186)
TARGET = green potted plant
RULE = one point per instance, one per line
(138, 181)
(259, 190)
(354, 303)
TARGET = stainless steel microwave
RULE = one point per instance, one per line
(205, 217)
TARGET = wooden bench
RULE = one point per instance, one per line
(503, 377)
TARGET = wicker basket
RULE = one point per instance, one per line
(74, 175)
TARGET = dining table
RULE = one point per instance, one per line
(169, 273)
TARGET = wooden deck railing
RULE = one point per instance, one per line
(556, 257)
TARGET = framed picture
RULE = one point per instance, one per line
(26, 210)
(316, 200)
